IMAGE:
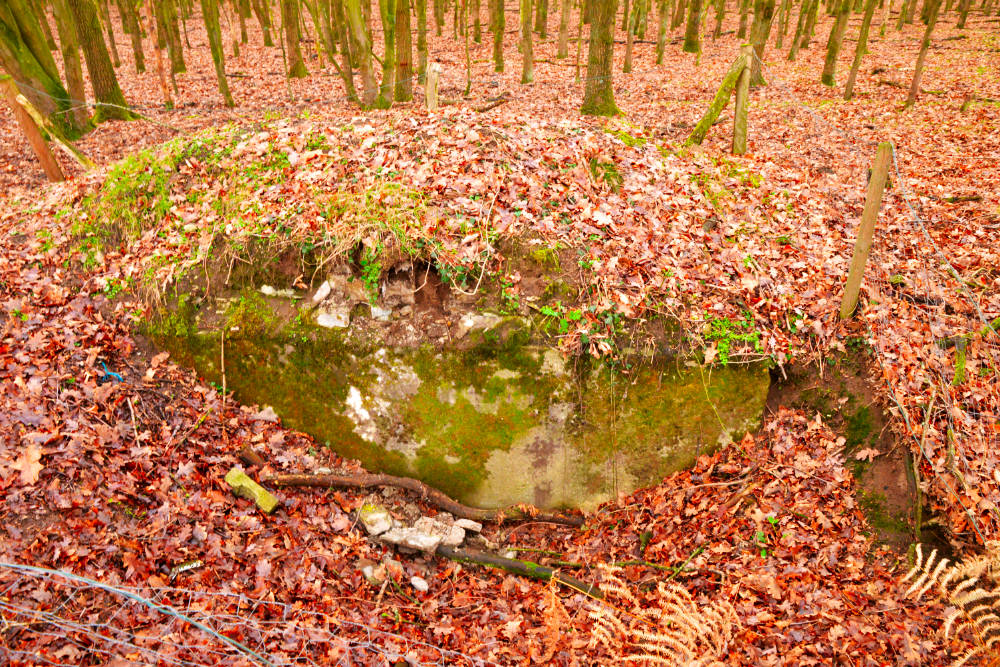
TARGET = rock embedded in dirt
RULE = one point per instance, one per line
(375, 519)
(420, 584)
(469, 525)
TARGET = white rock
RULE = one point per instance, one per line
(420, 584)
(470, 525)
(412, 538)
(322, 292)
(267, 290)
(375, 519)
(337, 319)
(381, 314)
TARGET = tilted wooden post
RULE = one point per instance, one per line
(431, 87)
(8, 89)
(742, 102)
(866, 230)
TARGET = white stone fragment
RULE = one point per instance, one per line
(412, 539)
(420, 584)
(381, 314)
(470, 525)
(375, 519)
(322, 292)
(334, 319)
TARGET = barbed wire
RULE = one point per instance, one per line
(57, 617)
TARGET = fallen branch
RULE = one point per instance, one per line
(432, 495)
(493, 105)
(525, 568)
(961, 339)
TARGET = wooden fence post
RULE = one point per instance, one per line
(8, 89)
(742, 102)
(866, 230)
(431, 87)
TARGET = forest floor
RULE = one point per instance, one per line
(122, 481)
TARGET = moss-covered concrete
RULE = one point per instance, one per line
(502, 420)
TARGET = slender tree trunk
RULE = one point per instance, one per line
(692, 35)
(562, 50)
(783, 12)
(763, 17)
(38, 9)
(477, 27)
(885, 16)
(799, 27)
(105, 18)
(168, 101)
(404, 52)
(290, 23)
(346, 69)
(584, 4)
(720, 16)
(261, 11)
(810, 27)
(834, 42)
(421, 41)
(167, 17)
(70, 48)
(361, 49)
(911, 7)
(468, 52)
(599, 94)
(963, 13)
(439, 15)
(527, 52)
(744, 14)
(541, 9)
(663, 6)
(387, 11)
(111, 101)
(130, 19)
(679, 13)
(499, 26)
(210, 14)
(861, 49)
(918, 71)
(629, 32)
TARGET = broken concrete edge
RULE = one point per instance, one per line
(243, 486)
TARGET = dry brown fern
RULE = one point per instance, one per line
(671, 629)
(972, 589)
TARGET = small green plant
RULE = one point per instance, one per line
(607, 172)
(371, 270)
(727, 334)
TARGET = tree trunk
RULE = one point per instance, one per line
(105, 19)
(861, 49)
(562, 50)
(541, 10)
(421, 41)
(810, 27)
(783, 12)
(963, 13)
(527, 53)
(404, 52)
(130, 19)
(885, 17)
(744, 14)
(210, 14)
(692, 35)
(628, 38)
(25, 55)
(679, 13)
(290, 24)
(599, 94)
(166, 15)
(763, 17)
(468, 53)
(663, 7)
(262, 12)
(499, 25)
(800, 27)
(38, 9)
(834, 42)
(361, 49)
(111, 102)
(387, 11)
(70, 48)
(168, 101)
(720, 16)
(346, 69)
(918, 71)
